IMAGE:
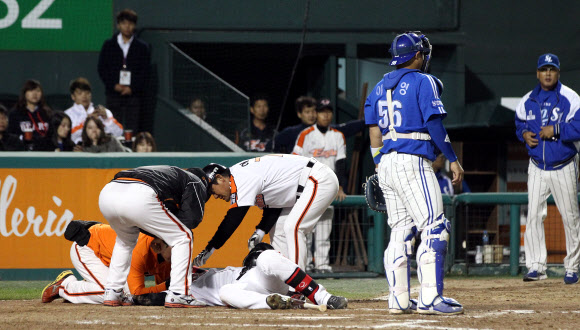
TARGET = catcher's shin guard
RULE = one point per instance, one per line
(431, 261)
(398, 268)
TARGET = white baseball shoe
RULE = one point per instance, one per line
(176, 300)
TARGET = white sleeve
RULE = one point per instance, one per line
(112, 126)
(521, 109)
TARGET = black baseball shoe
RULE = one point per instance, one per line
(337, 302)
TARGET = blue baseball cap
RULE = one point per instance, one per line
(549, 59)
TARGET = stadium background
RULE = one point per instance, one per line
(485, 52)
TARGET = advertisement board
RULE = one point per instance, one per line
(55, 25)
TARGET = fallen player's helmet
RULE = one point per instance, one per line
(406, 45)
(211, 170)
(250, 259)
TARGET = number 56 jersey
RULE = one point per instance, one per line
(416, 99)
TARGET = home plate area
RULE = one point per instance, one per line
(490, 303)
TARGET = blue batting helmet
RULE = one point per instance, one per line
(406, 45)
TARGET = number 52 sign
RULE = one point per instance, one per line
(55, 25)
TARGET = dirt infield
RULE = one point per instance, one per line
(489, 303)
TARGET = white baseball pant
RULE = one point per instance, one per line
(94, 272)
(321, 237)
(413, 198)
(268, 276)
(289, 233)
(562, 184)
(131, 206)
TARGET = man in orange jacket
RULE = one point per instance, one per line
(91, 255)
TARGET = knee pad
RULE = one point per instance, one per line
(431, 259)
(398, 266)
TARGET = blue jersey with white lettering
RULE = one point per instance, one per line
(416, 99)
(558, 107)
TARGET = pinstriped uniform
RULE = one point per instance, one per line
(409, 184)
(562, 184)
(411, 190)
(553, 169)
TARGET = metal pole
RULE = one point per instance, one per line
(514, 239)
(379, 240)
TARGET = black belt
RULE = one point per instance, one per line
(301, 188)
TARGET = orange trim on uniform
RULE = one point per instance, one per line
(130, 179)
(93, 293)
(178, 223)
(233, 190)
(341, 133)
(296, 245)
(87, 268)
(117, 123)
(77, 128)
(302, 136)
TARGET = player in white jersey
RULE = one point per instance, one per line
(328, 146)
(262, 283)
(295, 188)
(404, 113)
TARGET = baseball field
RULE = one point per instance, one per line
(490, 303)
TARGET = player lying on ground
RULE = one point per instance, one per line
(263, 282)
(91, 255)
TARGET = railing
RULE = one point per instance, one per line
(377, 231)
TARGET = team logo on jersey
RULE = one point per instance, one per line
(436, 103)
(260, 201)
(544, 116)
(233, 198)
(301, 286)
(530, 116)
(323, 153)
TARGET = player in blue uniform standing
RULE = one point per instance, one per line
(404, 113)
(550, 112)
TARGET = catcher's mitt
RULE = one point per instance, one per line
(374, 194)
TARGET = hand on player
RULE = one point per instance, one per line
(256, 238)
(341, 195)
(547, 132)
(457, 171)
(529, 138)
(202, 257)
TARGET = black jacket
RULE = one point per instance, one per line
(38, 120)
(181, 191)
(111, 63)
(10, 142)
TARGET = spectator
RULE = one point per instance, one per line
(96, 140)
(8, 142)
(144, 142)
(197, 107)
(306, 110)
(328, 146)
(123, 68)
(29, 119)
(259, 136)
(58, 137)
(444, 180)
(81, 94)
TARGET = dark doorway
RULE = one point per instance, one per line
(266, 68)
